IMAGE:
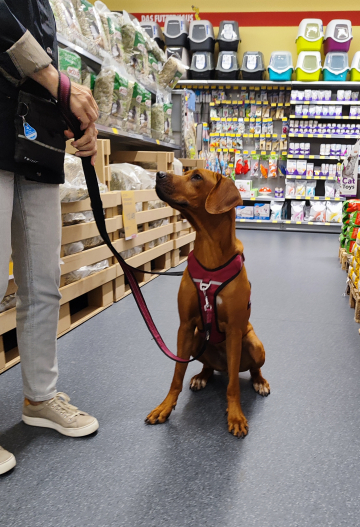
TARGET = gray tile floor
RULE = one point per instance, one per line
(299, 465)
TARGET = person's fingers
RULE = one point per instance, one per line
(89, 135)
(93, 159)
(86, 153)
(69, 134)
(90, 145)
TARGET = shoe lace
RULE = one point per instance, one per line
(60, 403)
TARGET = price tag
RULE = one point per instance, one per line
(316, 177)
(252, 101)
(223, 118)
(263, 153)
(337, 199)
(245, 152)
(212, 104)
(274, 135)
(246, 135)
(317, 116)
(253, 152)
(129, 214)
(157, 141)
(236, 87)
(267, 135)
(221, 87)
(298, 223)
(327, 199)
(273, 104)
(258, 102)
(316, 198)
(252, 199)
(247, 101)
(258, 221)
(301, 156)
(274, 221)
(310, 223)
(115, 131)
(231, 165)
(327, 223)
(287, 221)
(212, 149)
(310, 135)
(213, 87)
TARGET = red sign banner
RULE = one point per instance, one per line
(256, 19)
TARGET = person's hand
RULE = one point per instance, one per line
(83, 105)
(87, 145)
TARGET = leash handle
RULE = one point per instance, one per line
(64, 93)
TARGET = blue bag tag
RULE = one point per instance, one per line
(29, 131)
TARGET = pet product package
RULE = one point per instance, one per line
(333, 212)
(290, 188)
(245, 212)
(70, 64)
(329, 189)
(300, 188)
(262, 211)
(276, 210)
(297, 210)
(310, 189)
(317, 211)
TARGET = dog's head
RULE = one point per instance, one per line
(198, 191)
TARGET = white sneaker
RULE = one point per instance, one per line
(7, 461)
(59, 414)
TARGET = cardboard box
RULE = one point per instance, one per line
(245, 212)
(301, 167)
(262, 211)
(243, 185)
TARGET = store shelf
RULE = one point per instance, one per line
(330, 178)
(135, 140)
(289, 225)
(314, 198)
(250, 101)
(317, 117)
(89, 57)
(310, 156)
(263, 198)
(335, 84)
(212, 84)
(326, 136)
(326, 103)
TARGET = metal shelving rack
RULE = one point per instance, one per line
(315, 139)
(127, 140)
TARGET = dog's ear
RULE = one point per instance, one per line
(223, 197)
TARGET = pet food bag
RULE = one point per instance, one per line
(317, 211)
(297, 210)
(354, 218)
(333, 212)
(276, 208)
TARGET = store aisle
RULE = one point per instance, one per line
(299, 465)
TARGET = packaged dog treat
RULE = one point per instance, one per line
(70, 64)
(354, 218)
(301, 167)
(273, 162)
(317, 211)
(297, 210)
(290, 167)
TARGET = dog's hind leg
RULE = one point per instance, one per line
(199, 381)
(253, 358)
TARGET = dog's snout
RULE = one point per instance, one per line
(161, 175)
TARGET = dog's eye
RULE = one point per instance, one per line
(196, 177)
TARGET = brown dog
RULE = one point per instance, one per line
(208, 201)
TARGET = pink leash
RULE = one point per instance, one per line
(97, 207)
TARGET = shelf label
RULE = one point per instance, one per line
(115, 131)
(129, 214)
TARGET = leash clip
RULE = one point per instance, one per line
(204, 287)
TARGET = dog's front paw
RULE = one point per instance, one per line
(262, 387)
(160, 414)
(238, 425)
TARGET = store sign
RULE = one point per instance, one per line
(349, 176)
(129, 214)
(161, 17)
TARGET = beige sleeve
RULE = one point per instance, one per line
(28, 56)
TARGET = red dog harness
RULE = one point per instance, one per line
(209, 283)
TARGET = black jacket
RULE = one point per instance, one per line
(27, 44)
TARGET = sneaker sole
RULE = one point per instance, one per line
(7, 465)
(71, 432)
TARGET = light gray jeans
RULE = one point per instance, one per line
(30, 230)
